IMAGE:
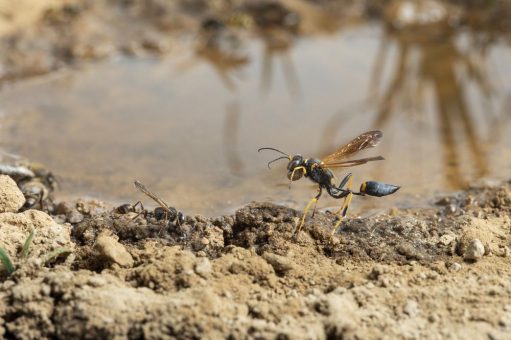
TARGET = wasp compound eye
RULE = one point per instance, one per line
(295, 162)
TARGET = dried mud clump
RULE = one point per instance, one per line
(247, 275)
(15, 228)
(11, 198)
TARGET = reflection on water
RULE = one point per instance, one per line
(433, 76)
(231, 141)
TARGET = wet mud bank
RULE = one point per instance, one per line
(418, 273)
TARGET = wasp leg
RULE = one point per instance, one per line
(301, 168)
(138, 204)
(166, 219)
(345, 205)
(344, 211)
(317, 199)
(349, 180)
(142, 212)
(345, 180)
(314, 200)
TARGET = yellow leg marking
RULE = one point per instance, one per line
(314, 200)
(345, 205)
(293, 173)
(314, 210)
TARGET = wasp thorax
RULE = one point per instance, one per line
(295, 168)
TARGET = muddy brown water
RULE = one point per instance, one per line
(189, 128)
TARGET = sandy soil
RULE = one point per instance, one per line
(442, 272)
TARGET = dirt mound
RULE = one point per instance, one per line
(246, 276)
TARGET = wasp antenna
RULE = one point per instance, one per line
(273, 149)
(277, 159)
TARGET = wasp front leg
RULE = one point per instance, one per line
(314, 201)
(296, 174)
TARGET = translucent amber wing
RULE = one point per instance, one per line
(366, 140)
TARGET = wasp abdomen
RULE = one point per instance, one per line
(373, 188)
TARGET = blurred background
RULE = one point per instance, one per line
(181, 94)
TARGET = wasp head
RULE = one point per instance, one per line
(295, 168)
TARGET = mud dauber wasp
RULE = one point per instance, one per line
(318, 171)
(162, 212)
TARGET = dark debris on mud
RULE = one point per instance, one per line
(408, 235)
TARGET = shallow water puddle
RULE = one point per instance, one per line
(190, 129)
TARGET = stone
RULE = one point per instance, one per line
(203, 267)
(455, 266)
(110, 248)
(280, 264)
(474, 250)
(11, 197)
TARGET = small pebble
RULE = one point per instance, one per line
(411, 308)
(110, 248)
(203, 267)
(474, 251)
(455, 266)
(280, 264)
(45, 290)
(74, 216)
(8, 284)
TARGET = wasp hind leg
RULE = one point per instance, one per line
(349, 181)
(142, 212)
(314, 201)
(343, 210)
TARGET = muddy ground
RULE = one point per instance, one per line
(441, 272)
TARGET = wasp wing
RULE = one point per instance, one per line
(354, 162)
(146, 191)
(366, 140)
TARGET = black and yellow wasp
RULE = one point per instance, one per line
(319, 171)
